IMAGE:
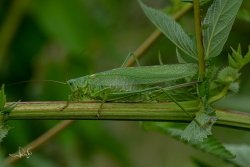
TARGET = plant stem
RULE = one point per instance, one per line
(10, 24)
(34, 145)
(123, 111)
(199, 39)
(220, 95)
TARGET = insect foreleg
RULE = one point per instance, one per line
(129, 55)
(106, 92)
(67, 104)
(198, 123)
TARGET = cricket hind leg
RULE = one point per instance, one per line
(126, 60)
(178, 104)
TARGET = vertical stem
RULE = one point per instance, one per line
(198, 30)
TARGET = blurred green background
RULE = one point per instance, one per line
(41, 40)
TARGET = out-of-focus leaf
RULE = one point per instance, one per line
(65, 21)
(220, 18)
(209, 145)
(242, 152)
(244, 14)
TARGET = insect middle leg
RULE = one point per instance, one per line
(106, 92)
(126, 60)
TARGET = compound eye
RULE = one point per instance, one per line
(70, 83)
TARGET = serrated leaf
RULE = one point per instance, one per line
(203, 88)
(3, 132)
(172, 30)
(6, 111)
(207, 107)
(220, 17)
(242, 152)
(233, 89)
(194, 133)
(237, 61)
(228, 75)
(9, 108)
(239, 49)
(209, 145)
(211, 71)
(2, 98)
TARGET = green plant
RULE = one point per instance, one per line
(216, 83)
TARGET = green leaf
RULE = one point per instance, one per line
(220, 18)
(242, 153)
(233, 88)
(211, 71)
(172, 30)
(4, 113)
(236, 60)
(209, 145)
(207, 107)
(228, 75)
(196, 134)
(9, 108)
(3, 132)
(203, 89)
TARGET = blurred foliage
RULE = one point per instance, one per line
(41, 40)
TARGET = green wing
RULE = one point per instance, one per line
(143, 75)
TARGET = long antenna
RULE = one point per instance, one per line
(73, 64)
(36, 81)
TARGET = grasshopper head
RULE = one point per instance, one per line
(76, 84)
(72, 84)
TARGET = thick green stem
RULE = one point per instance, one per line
(220, 95)
(199, 39)
(124, 111)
